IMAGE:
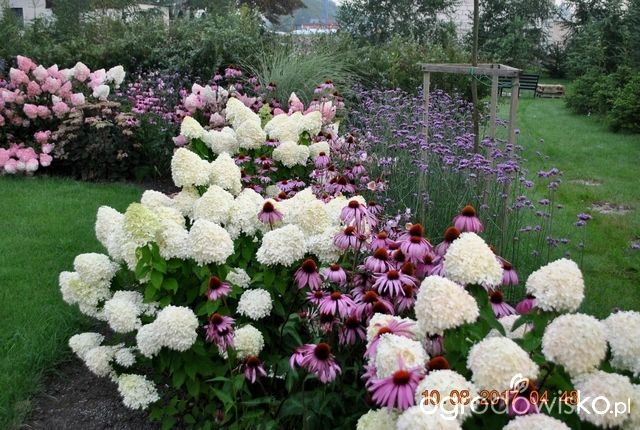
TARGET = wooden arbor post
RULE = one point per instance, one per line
(496, 71)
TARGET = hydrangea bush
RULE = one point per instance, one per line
(34, 101)
(237, 305)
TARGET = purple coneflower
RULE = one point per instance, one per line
(371, 303)
(335, 274)
(395, 326)
(397, 259)
(468, 221)
(252, 368)
(378, 262)
(352, 330)
(398, 389)
(217, 288)
(336, 303)
(241, 159)
(415, 246)
(269, 214)
(450, 235)
(319, 360)
(348, 238)
(426, 265)
(322, 160)
(526, 305)
(374, 208)
(308, 274)
(519, 403)
(438, 363)
(509, 275)
(381, 240)
(315, 296)
(220, 330)
(392, 282)
(340, 184)
(327, 322)
(434, 345)
(357, 214)
(499, 306)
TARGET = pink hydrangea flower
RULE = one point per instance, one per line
(18, 77)
(60, 109)
(45, 160)
(31, 111)
(43, 112)
(81, 72)
(25, 64)
(40, 73)
(33, 89)
(77, 99)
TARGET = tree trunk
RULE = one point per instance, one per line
(474, 81)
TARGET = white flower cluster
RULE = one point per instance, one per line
(215, 206)
(155, 199)
(558, 286)
(391, 348)
(250, 135)
(495, 360)
(239, 278)
(469, 260)
(379, 419)
(442, 304)
(284, 246)
(174, 327)
(623, 329)
(98, 359)
(226, 174)
(140, 224)
(185, 200)
(238, 114)
(82, 343)
(187, 168)
(291, 154)
(86, 293)
(95, 267)
(255, 304)
(244, 214)
(248, 341)
(122, 311)
(576, 341)
(415, 418)
(445, 382)
(137, 391)
(209, 243)
(221, 141)
(191, 129)
(535, 422)
(285, 127)
(610, 386)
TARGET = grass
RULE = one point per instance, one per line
(45, 223)
(584, 149)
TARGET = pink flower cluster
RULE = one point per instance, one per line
(33, 102)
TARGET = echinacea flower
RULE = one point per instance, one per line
(356, 213)
(396, 390)
(509, 274)
(322, 160)
(315, 296)
(434, 345)
(370, 303)
(308, 274)
(217, 288)
(252, 368)
(398, 326)
(499, 306)
(374, 208)
(336, 303)
(415, 247)
(319, 360)
(377, 263)
(269, 214)
(352, 330)
(220, 330)
(392, 283)
(526, 305)
(348, 238)
(335, 273)
(450, 235)
(381, 240)
(467, 221)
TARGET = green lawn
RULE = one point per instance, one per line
(44, 224)
(584, 149)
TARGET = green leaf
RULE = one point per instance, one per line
(224, 397)
(141, 269)
(178, 378)
(160, 265)
(156, 279)
(150, 293)
(269, 278)
(193, 387)
(170, 284)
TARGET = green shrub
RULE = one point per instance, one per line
(625, 113)
(595, 92)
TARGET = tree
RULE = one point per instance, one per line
(633, 34)
(379, 20)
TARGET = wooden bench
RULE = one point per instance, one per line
(528, 81)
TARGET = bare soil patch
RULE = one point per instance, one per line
(610, 208)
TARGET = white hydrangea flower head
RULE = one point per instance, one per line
(311, 123)
(226, 174)
(173, 242)
(185, 200)
(442, 305)
(221, 141)
(237, 113)
(535, 422)
(122, 311)
(335, 205)
(622, 330)
(272, 191)
(291, 154)
(149, 339)
(215, 205)
(310, 216)
(445, 382)
(191, 129)
(558, 286)
(188, 169)
(322, 245)
(250, 135)
(81, 343)
(255, 304)
(140, 224)
(244, 213)
(107, 220)
(379, 419)
(209, 243)
(494, 361)
(178, 325)
(610, 386)
(415, 418)
(87, 295)
(125, 357)
(316, 148)
(137, 391)
(391, 347)
(248, 341)
(94, 268)
(284, 245)
(577, 342)
(239, 277)
(469, 260)
(116, 75)
(155, 199)
(633, 423)
(98, 360)
(283, 128)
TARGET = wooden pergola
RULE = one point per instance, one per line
(495, 71)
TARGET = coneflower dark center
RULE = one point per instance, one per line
(370, 297)
(438, 363)
(352, 323)
(253, 361)
(335, 267)
(336, 295)
(309, 266)
(381, 254)
(350, 231)
(401, 377)
(416, 230)
(393, 275)
(507, 266)
(468, 210)
(408, 268)
(268, 207)
(216, 318)
(214, 283)
(342, 180)
(322, 351)
(451, 234)
(380, 308)
(326, 318)
(496, 297)
(354, 204)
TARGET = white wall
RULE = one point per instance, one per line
(31, 9)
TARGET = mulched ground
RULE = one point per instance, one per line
(74, 398)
